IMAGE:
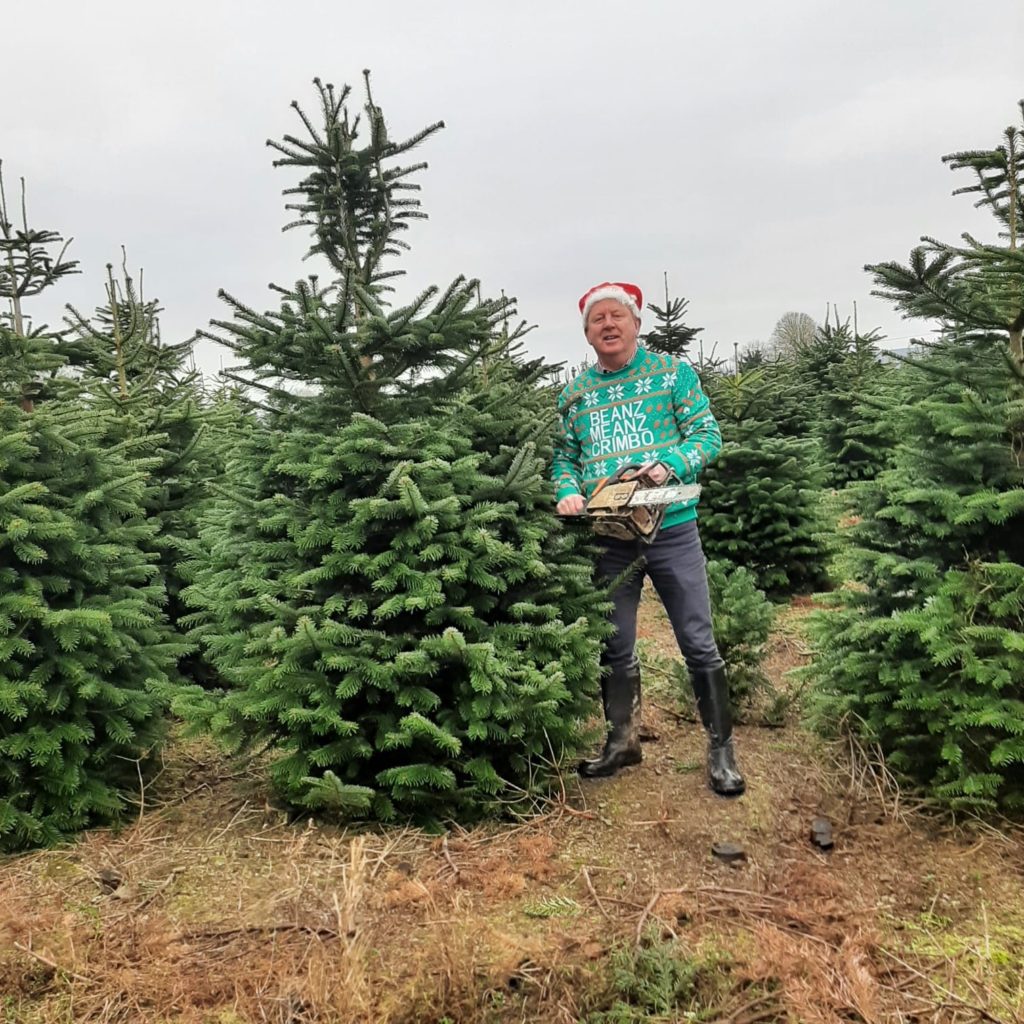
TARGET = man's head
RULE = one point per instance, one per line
(611, 321)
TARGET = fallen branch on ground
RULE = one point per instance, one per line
(50, 963)
(593, 892)
(256, 929)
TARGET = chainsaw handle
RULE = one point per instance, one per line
(632, 471)
(570, 504)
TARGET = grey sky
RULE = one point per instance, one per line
(760, 153)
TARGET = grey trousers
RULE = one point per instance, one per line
(677, 567)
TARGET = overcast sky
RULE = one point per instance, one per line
(760, 153)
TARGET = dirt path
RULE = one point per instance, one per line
(212, 908)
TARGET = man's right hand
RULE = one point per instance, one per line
(571, 505)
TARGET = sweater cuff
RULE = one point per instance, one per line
(680, 466)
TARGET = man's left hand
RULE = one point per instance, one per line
(656, 471)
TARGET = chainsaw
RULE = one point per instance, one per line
(629, 505)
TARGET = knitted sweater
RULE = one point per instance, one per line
(653, 408)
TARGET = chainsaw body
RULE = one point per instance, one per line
(629, 506)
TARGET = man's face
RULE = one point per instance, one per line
(611, 332)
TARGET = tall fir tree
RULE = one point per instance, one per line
(84, 647)
(400, 615)
(671, 334)
(924, 654)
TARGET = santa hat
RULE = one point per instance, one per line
(628, 294)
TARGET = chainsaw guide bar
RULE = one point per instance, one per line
(630, 494)
(665, 495)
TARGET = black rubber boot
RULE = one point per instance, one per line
(620, 692)
(711, 688)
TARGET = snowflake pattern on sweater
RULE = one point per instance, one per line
(653, 408)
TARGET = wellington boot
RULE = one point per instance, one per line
(621, 695)
(711, 688)
(723, 774)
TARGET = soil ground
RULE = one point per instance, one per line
(212, 908)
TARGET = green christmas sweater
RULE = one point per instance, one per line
(653, 408)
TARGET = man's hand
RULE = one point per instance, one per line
(657, 471)
(571, 505)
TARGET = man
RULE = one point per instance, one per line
(638, 407)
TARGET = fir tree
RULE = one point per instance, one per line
(84, 648)
(924, 653)
(742, 620)
(671, 335)
(815, 356)
(152, 397)
(974, 287)
(710, 367)
(850, 418)
(121, 347)
(753, 357)
(398, 611)
(760, 500)
(31, 261)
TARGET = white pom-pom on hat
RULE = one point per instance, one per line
(621, 291)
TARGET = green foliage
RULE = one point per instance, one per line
(923, 652)
(655, 982)
(856, 393)
(84, 649)
(836, 381)
(973, 629)
(671, 333)
(742, 620)
(154, 401)
(760, 505)
(405, 617)
(753, 357)
(945, 701)
(975, 286)
(353, 199)
(791, 411)
(828, 383)
(31, 261)
(397, 612)
(552, 906)
(121, 346)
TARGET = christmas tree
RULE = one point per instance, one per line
(853, 389)
(400, 615)
(152, 397)
(924, 653)
(760, 504)
(671, 335)
(31, 260)
(84, 647)
(742, 620)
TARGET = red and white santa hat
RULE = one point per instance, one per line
(628, 294)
